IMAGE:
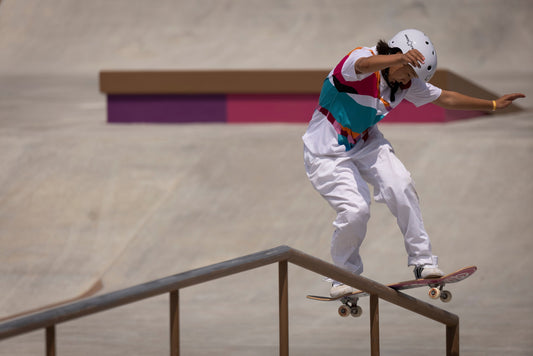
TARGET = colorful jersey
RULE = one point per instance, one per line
(357, 102)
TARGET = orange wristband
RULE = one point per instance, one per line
(494, 105)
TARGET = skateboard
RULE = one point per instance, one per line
(349, 301)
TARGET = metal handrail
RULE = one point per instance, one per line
(283, 255)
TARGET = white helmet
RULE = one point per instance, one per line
(414, 39)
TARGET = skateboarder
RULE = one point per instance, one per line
(344, 149)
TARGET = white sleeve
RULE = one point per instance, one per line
(421, 93)
(348, 68)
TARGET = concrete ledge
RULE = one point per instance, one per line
(248, 96)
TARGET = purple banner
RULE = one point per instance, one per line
(166, 108)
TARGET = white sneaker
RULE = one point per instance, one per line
(339, 289)
(428, 271)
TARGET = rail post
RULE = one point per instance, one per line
(374, 325)
(50, 340)
(452, 340)
(175, 323)
(283, 309)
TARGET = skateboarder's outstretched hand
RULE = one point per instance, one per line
(506, 100)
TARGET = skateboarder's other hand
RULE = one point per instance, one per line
(506, 100)
(413, 57)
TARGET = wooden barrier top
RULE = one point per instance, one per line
(212, 82)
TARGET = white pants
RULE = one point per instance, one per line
(342, 180)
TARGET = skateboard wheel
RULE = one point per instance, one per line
(356, 311)
(344, 310)
(445, 296)
(434, 293)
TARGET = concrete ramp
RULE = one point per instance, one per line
(190, 205)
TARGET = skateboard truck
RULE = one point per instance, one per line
(349, 307)
(436, 291)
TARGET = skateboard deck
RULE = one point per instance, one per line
(349, 301)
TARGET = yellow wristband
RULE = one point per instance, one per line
(494, 105)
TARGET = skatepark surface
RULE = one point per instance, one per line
(89, 208)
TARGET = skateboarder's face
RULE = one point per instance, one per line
(401, 74)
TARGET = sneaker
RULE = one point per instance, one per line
(427, 272)
(339, 289)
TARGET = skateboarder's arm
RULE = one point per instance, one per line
(376, 63)
(453, 100)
